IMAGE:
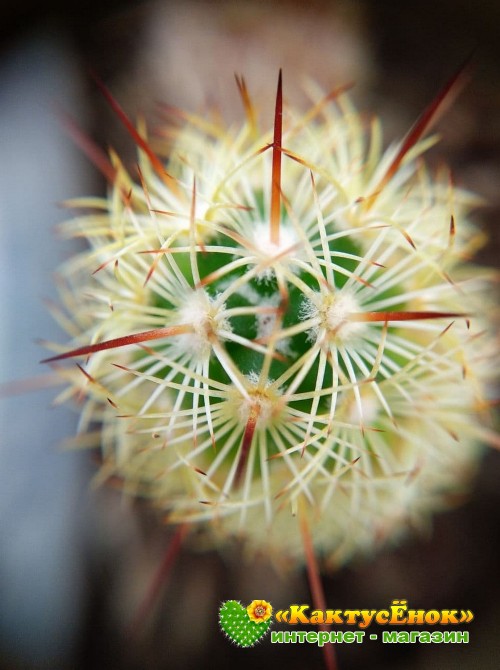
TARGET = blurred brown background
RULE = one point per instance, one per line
(186, 53)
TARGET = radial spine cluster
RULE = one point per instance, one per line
(275, 327)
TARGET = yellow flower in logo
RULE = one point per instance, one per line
(259, 611)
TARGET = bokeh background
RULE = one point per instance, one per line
(75, 563)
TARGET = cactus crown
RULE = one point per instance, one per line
(281, 323)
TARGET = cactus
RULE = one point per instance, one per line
(281, 325)
(245, 626)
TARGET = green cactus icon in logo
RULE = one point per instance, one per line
(245, 626)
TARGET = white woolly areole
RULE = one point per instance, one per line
(337, 316)
(332, 312)
(261, 238)
(265, 400)
(199, 312)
